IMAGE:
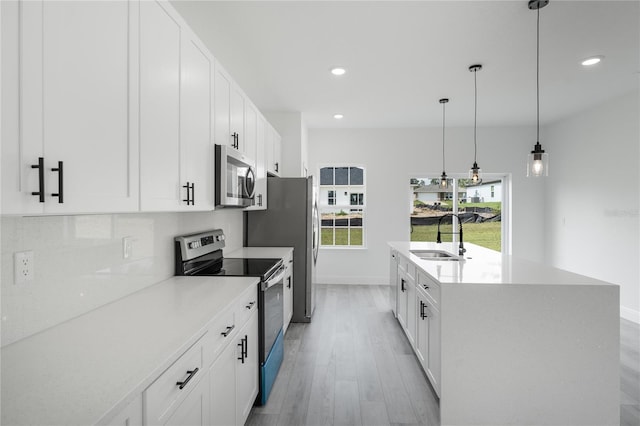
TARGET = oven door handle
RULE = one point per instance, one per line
(276, 278)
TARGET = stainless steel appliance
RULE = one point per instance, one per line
(201, 255)
(291, 220)
(235, 178)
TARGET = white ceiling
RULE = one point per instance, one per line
(401, 57)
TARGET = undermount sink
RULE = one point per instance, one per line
(434, 255)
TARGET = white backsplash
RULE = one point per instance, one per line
(79, 262)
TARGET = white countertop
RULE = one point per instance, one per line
(485, 266)
(90, 367)
(261, 252)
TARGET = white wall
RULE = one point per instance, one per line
(79, 264)
(392, 157)
(592, 196)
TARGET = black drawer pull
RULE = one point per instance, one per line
(190, 194)
(426, 287)
(40, 167)
(250, 305)
(277, 171)
(191, 373)
(288, 282)
(60, 193)
(228, 330)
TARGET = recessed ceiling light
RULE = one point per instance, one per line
(338, 116)
(338, 71)
(592, 60)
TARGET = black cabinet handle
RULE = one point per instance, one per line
(246, 346)
(250, 305)
(236, 142)
(190, 194)
(40, 167)
(288, 282)
(243, 348)
(60, 193)
(402, 284)
(228, 330)
(191, 373)
(426, 287)
(277, 166)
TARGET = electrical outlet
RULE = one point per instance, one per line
(24, 267)
(127, 247)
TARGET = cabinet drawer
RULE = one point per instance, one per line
(221, 331)
(431, 287)
(164, 395)
(246, 305)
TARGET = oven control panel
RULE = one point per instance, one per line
(194, 245)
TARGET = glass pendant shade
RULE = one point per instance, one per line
(444, 182)
(538, 162)
(475, 174)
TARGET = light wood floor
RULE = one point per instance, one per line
(352, 365)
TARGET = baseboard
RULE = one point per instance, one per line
(630, 314)
(339, 279)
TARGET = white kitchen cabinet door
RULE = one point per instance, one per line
(434, 350)
(78, 105)
(131, 415)
(277, 153)
(247, 370)
(222, 107)
(160, 184)
(250, 139)
(194, 410)
(403, 284)
(411, 311)
(222, 377)
(422, 330)
(236, 118)
(260, 198)
(196, 149)
(287, 293)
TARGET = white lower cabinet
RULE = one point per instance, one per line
(233, 375)
(222, 377)
(287, 292)
(194, 410)
(131, 415)
(176, 388)
(418, 312)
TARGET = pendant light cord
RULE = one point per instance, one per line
(538, 79)
(475, 116)
(443, 137)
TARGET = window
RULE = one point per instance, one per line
(342, 207)
(480, 207)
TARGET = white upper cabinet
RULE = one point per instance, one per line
(175, 115)
(196, 107)
(274, 151)
(255, 125)
(229, 112)
(159, 108)
(70, 98)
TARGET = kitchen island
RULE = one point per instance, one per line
(505, 341)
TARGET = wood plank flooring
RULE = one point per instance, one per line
(352, 365)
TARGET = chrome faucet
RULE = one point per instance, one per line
(461, 249)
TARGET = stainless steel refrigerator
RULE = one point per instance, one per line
(291, 220)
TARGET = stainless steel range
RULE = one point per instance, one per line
(201, 255)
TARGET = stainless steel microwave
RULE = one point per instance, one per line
(235, 178)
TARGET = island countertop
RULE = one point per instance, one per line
(484, 266)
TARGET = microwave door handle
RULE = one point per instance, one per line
(248, 179)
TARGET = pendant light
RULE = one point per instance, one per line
(475, 174)
(443, 179)
(537, 160)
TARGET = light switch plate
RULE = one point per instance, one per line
(24, 267)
